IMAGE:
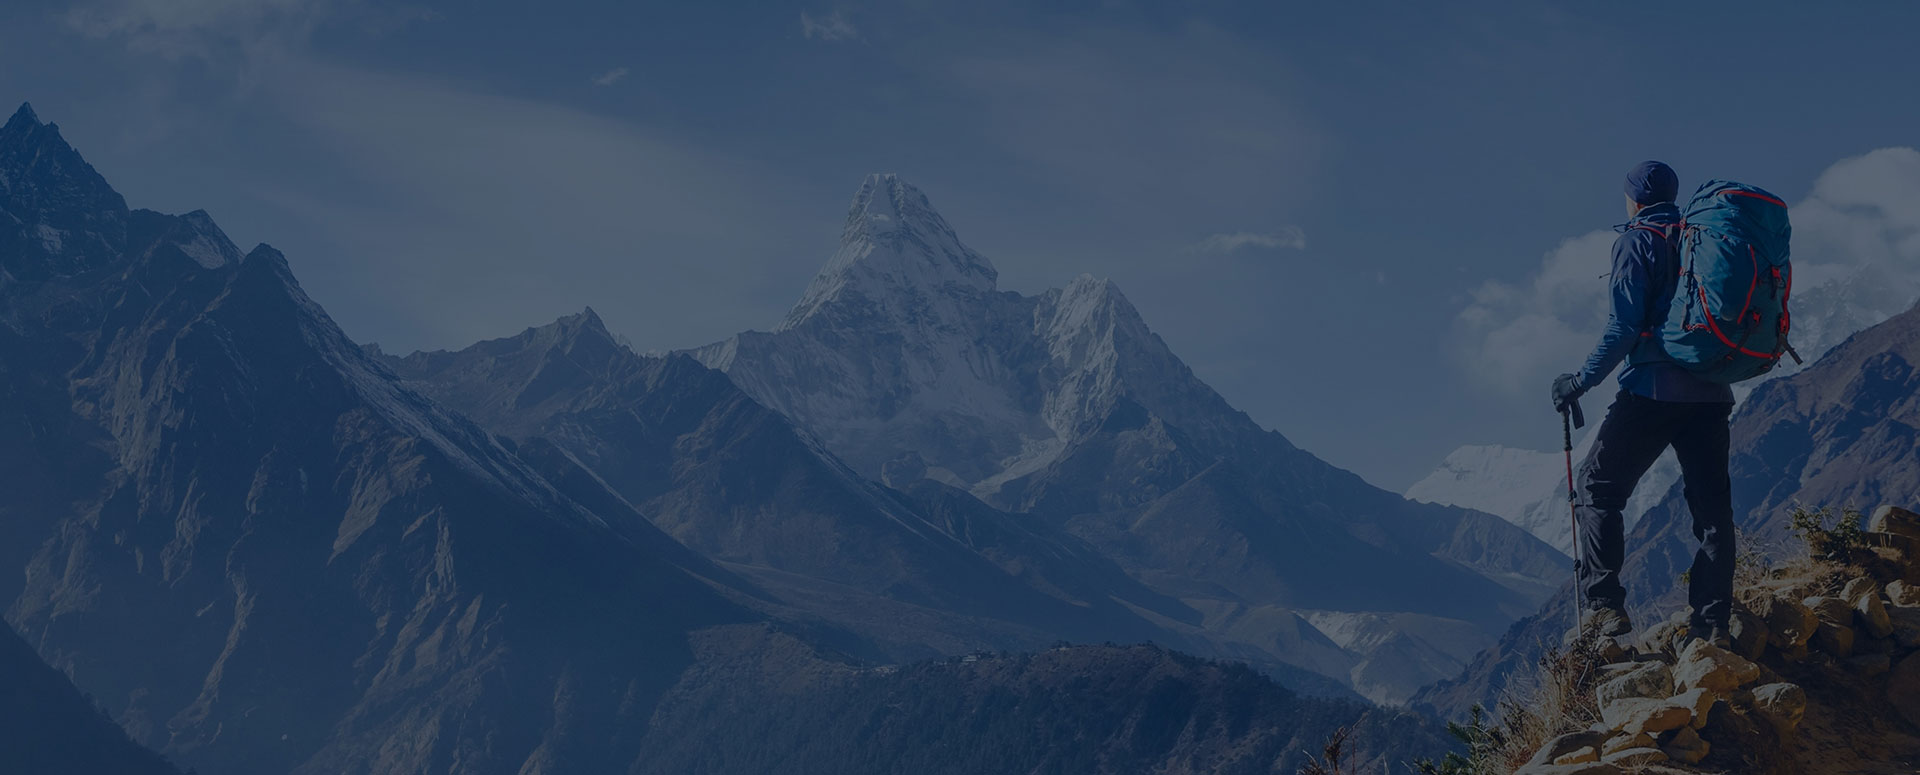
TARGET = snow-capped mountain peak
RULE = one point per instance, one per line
(895, 252)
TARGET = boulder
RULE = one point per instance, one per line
(1834, 639)
(1906, 626)
(1870, 665)
(1580, 756)
(1789, 624)
(1863, 596)
(1685, 745)
(1634, 715)
(1874, 646)
(1749, 633)
(1895, 520)
(1830, 610)
(1903, 688)
(1624, 742)
(1784, 704)
(1662, 637)
(1900, 593)
(1642, 679)
(1751, 735)
(1591, 768)
(1565, 745)
(1703, 665)
(1635, 757)
(1698, 703)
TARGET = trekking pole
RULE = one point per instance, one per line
(1571, 417)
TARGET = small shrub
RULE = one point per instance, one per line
(1827, 536)
(1331, 754)
(1481, 742)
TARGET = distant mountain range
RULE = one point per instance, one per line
(261, 547)
(919, 573)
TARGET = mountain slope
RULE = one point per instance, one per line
(51, 729)
(1083, 709)
(259, 552)
(1529, 489)
(904, 356)
(736, 482)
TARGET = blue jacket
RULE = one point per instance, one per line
(1646, 271)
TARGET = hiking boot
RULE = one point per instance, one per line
(1716, 635)
(1601, 623)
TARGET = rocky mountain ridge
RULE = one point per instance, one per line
(205, 483)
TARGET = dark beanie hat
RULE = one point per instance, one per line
(1652, 182)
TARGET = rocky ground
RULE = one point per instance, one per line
(1823, 676)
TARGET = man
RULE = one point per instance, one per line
(1660, 404)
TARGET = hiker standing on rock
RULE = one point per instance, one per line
(1661, 403)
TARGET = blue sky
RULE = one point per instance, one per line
(1341, 215)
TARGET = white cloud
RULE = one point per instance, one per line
(457, 210)
(1518, 335)
(1150, 121)
(832, 28)
(1290, 237)
(1856, 249)
(611, 77)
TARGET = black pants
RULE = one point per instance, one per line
(1636, 431)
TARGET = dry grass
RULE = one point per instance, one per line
(1553, 699)
(1817, 564)
(1556, 698)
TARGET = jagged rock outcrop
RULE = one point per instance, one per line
(1691, 707)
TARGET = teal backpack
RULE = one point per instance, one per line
(1729, 319)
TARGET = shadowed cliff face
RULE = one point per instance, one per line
(259, 552)
(1842, 432)
(51, 727)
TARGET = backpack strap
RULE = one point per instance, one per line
(1666, 231)
(1670, 233)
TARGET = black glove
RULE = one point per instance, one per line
(1566, 390)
